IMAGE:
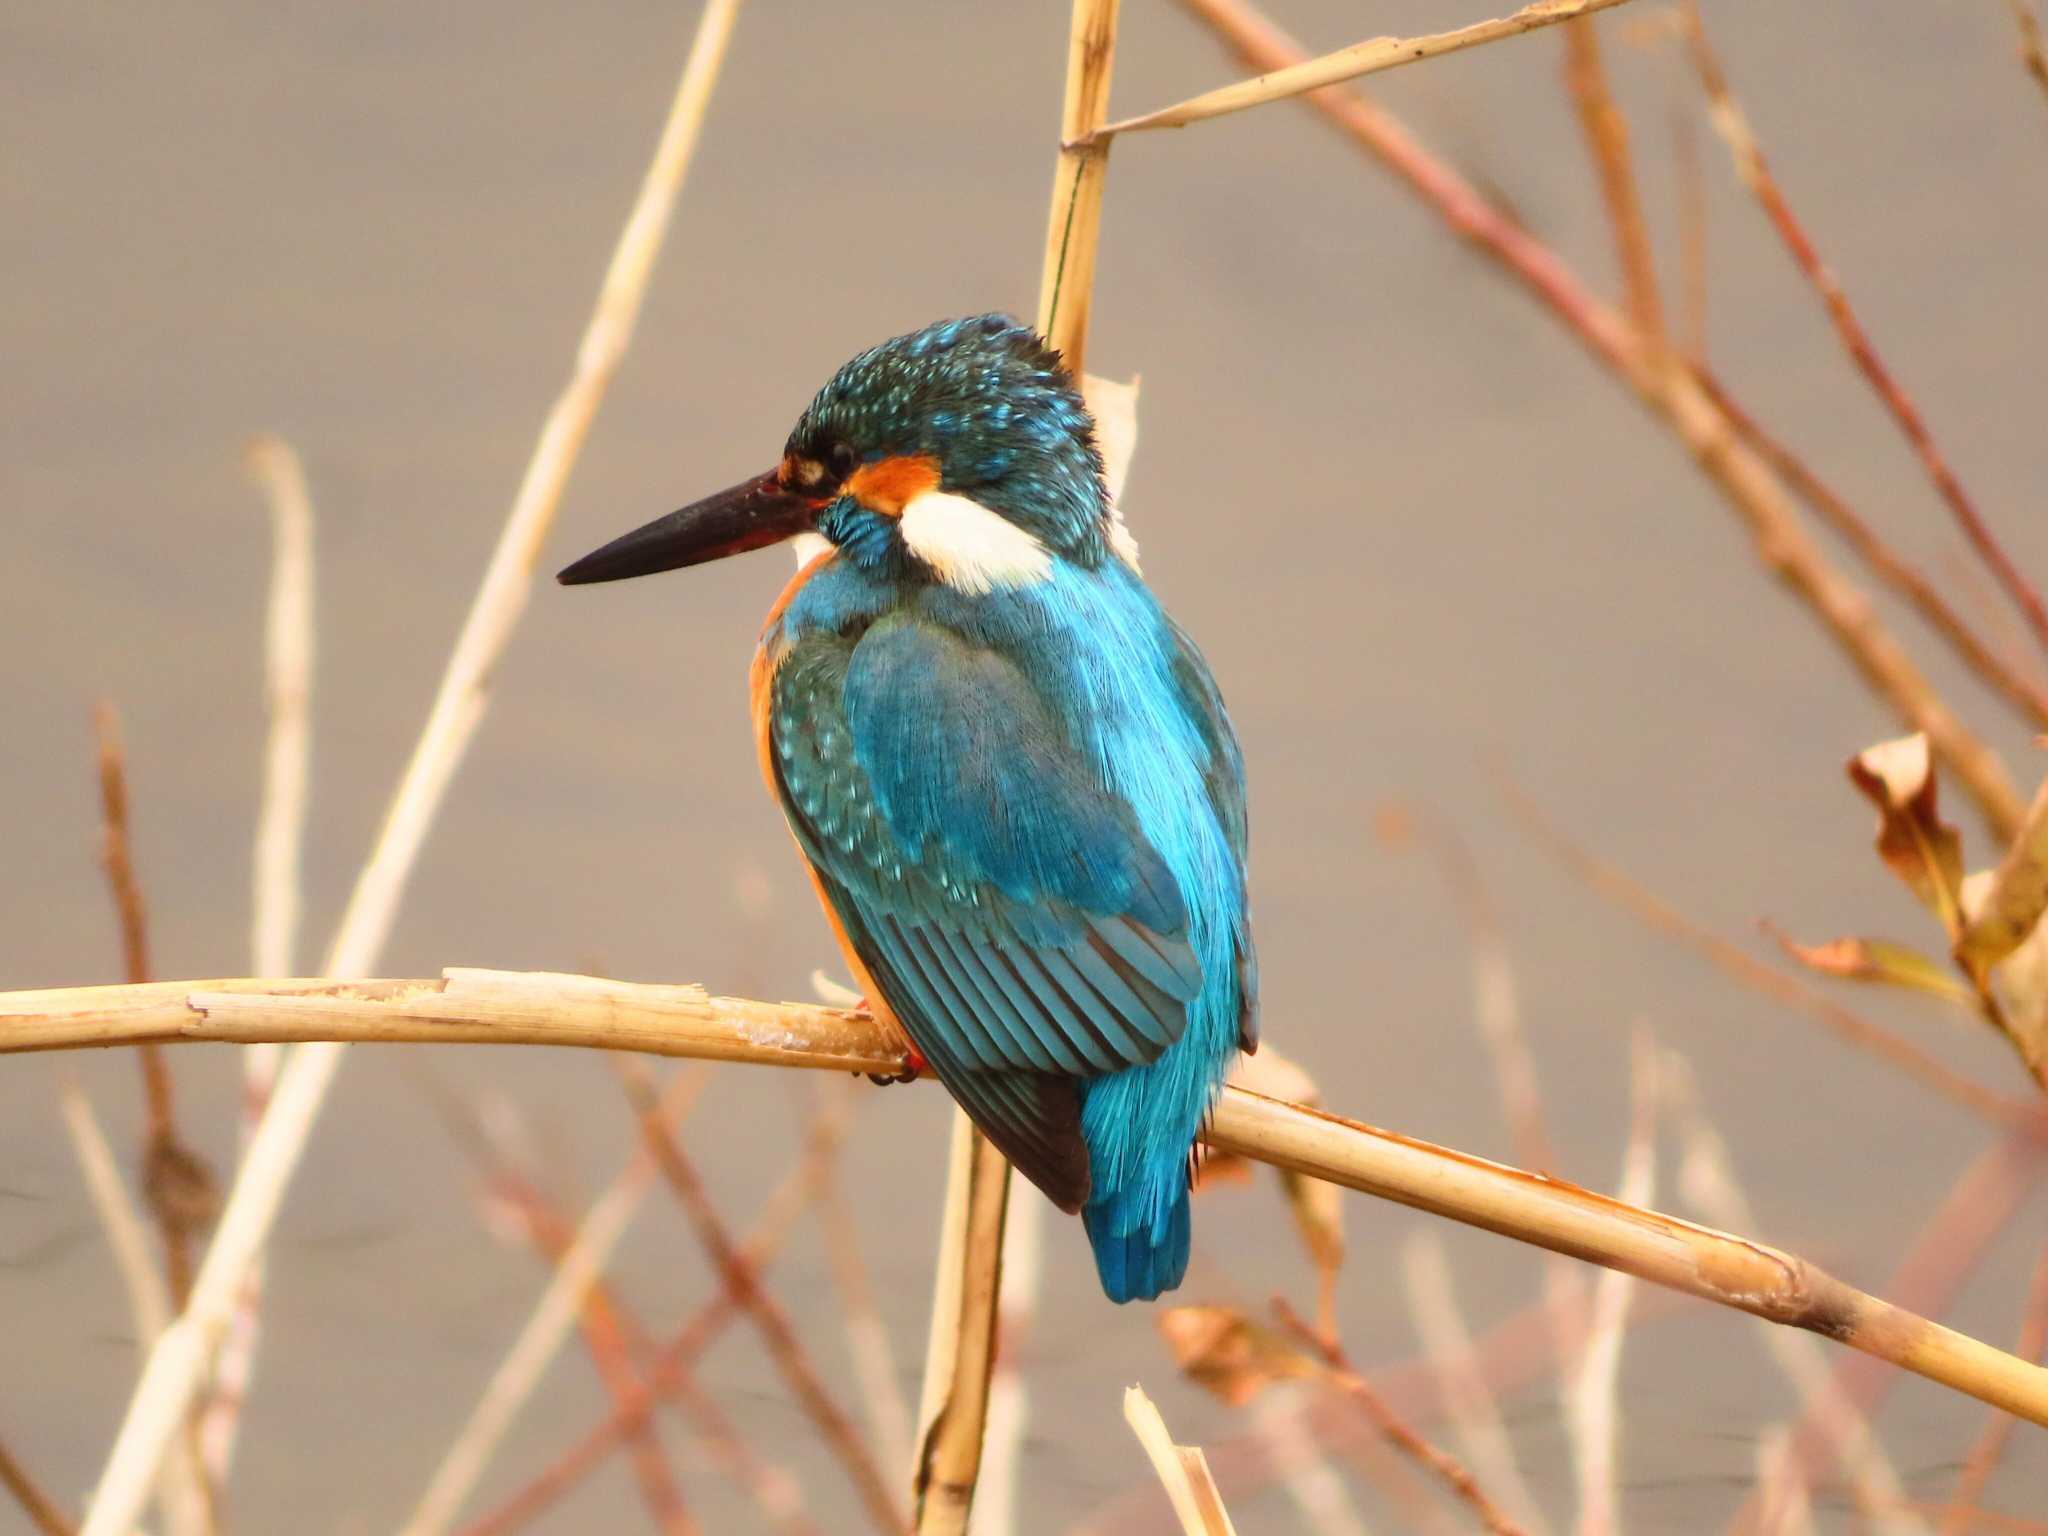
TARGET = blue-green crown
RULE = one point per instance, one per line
(993, 404)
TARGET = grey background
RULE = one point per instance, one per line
(1413, 528)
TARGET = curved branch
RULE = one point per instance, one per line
(526, 1008)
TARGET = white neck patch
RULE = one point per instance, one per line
(973, 549)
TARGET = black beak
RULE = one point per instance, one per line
(752, 515)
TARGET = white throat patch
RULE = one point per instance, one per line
(973, 549)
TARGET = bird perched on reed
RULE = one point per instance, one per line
(1008, 770)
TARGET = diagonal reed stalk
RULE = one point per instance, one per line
(500, 1007)
(182, 1357)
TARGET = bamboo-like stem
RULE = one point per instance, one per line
(1366, 58)
(959, 1360)
(175, 1370)
(1606, 134)
(579, 1270)
(1750, 165)
(1990, 1447)
(1886, 563)
(834, 1425)
(496, 1007)
(1439, 1463)
(1000, 1501)
(275, 894)
(1745, 482)
(41, 1509)
(667, 1374)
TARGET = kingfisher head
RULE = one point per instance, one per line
(961, 453)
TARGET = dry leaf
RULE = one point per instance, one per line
(2022, 976)
(1879, 960)
(1223, 1350)
(2010, 908)
(1912, 839)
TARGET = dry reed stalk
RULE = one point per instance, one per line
(1544, 1212)
(1366, 58)
(1706, 1179)
(835, 1427)
(2032, 54)
(1183, 1471)
(275, 896)
(1606, 134)
(1469, 1402)
(610, 1335)
(1995, 670)
(1733, 125)
(867, 1337)
(541, 1338)
(173, 1376)
(1620, 888)
(40, 1508)
(953, 1410)
(668, 1372)
(1592, 1391)
(1439, 1463)
(1976, 1210)
(1990, 1447)
(1745, 482)
(997, 1502)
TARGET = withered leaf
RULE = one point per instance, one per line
(1912, 839)
(2017, 895)
(1223, 1350)
(1879, 960)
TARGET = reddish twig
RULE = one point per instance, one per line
(744, 1284)
(1441, 1463)
(1606, 133)
(1990, 1447)
(1853, 1028)
(667, 1373)
(1756, 175)
(1887, 564)
(1745, 482)
(41, 1508)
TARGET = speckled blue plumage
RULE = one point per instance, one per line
(1026, 807)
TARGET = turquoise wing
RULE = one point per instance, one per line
(1006, 905)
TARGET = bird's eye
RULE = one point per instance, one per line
(841, 460)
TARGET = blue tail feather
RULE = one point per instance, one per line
(1136, 1258)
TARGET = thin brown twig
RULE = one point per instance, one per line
(777, 1332)
(1610, 881)
(1692, 234)
(1990, 1447)
(1750, 165)
(1441, 1464)
(668, 1372)
(604, 1319)
(1996, 670)
(40, 1507)
(1745, 482)
(1606, 134)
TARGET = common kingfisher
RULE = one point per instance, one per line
(1009, 772)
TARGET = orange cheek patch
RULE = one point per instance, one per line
(887, 484)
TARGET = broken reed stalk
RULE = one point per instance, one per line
(288, 640)
(180, 1361)
(1733, 125)
(501, 1007)
(1366, 58)
(1745, 481)
(959, 1363)
(1183, 1470)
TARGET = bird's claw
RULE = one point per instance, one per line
(914, 1063)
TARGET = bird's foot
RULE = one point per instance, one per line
(914, 1064)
